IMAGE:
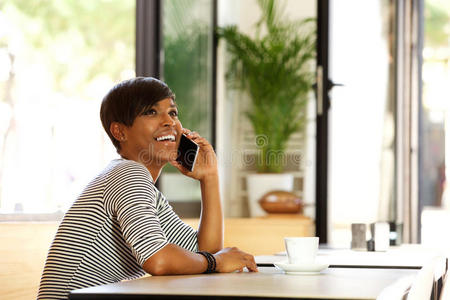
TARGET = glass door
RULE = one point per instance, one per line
(434, 171)
(361, 124)
(187, 67)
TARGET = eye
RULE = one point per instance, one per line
(174, 113)
(149, 112)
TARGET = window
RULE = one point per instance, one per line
(362, 117)
(57, 61)
(434, 172)
(187, 68)
(435, 107)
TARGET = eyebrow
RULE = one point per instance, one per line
(171, 105)
(147, 108)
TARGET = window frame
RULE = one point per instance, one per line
(150, 50)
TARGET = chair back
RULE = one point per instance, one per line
(426, 283)
(398, 290)
(445, 291)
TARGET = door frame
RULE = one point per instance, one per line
(323, 104)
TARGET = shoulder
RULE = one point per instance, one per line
(128, 169)
(128, 183)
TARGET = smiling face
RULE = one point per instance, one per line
(153, 137)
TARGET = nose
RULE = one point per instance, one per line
(168, 121)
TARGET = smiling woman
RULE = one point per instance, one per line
(145, 141)
(135, 123)
(121, 226)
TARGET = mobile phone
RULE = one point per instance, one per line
(187, 153)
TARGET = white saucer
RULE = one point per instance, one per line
(303, 269)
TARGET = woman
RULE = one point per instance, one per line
(121, 226)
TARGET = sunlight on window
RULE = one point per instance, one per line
(435, 193)
(362, 135)
(57, 61)
(436, 105)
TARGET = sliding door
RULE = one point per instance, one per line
(356, 120)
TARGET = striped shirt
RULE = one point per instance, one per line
(115, 225)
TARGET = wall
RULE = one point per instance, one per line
(23, 250)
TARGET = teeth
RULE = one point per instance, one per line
(166, 137)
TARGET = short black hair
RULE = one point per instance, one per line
(129, 99)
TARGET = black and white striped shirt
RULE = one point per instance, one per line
(116, 224)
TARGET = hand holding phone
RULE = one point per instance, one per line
(187, 153)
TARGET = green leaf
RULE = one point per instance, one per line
(276, 70)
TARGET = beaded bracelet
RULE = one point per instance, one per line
(211, 261)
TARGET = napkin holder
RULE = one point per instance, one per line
(358, 236)
(380, 240)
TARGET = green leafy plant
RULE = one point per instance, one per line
(276, 70)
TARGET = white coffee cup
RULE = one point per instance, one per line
(301, 250)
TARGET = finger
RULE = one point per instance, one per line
(249, 257)
(194, 135)
(191, 134)
(252, 267)
(252, 259)
(188, 132)
(200, 140)
(179, 167)
(251, 264)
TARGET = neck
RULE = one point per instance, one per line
(155, 170)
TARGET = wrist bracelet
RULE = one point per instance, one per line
(211, 261)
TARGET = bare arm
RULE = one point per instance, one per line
(210, 231)
(173, 260)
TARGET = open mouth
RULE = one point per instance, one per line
(166, 138)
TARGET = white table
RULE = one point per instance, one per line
(269, 283)
(401, 257)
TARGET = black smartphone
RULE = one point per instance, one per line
(187, 153)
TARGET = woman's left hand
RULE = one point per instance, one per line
(206, 163)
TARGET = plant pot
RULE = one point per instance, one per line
(281, 202)
(260, 184)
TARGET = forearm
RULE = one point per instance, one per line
(173, 260)
(210, 232)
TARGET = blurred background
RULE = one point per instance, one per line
(385, 116)
(59, 58)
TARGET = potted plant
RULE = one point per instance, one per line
(275, 70)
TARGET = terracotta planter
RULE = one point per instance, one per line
(260, 184)
(281, 202)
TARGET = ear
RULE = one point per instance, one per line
(118, 131)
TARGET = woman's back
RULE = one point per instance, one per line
(105, 235)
